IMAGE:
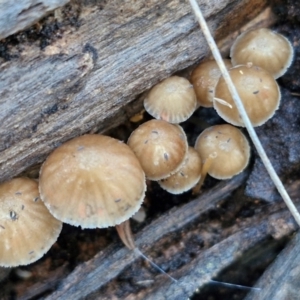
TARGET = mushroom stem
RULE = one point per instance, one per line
(125, 234)
(205, 168)
(214, 49)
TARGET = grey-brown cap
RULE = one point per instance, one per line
(263, 48)
(27, 229)
(161, 148)
(204, 79)
(172, 100)
(228, 149)
(258, 91)
(187, 177)
(92, 181)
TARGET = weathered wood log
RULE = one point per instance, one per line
(87, 78)
(18, 15)
(282, 279)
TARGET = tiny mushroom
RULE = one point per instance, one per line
(92, 181)
(161, 148)
(204, 79)
(27, 229)
(263, 48)
(224, 150)
(187, 177)
(172, 100)
(258, 91)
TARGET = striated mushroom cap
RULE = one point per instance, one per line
(92, 181)
(263, 48)
(258, 91)
(204, 79)
(161, 148)
(172, 100)
(227, 147)
(27, 229)
(187, 177)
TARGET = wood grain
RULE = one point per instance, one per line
(18, 15)
(281, 280)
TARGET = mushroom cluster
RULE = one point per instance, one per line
(258, 57)
(95, 181)
(92, 181)
(255, 64)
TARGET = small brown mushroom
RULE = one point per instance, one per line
(204, 79)
(27, 229)
(161, 148)
(224, 150)
(258, 91)
(172, 100)
(92, 181)
(263, 48)
(187, 177)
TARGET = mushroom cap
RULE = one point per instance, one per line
(161, 148)
(172, 100)
(27, 229)
(258, 91)
(92, 181)
(187, 177)
(204, 79)
(229, 148)
(263, 48)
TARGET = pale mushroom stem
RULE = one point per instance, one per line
(125, 234)
(215, 51)
(205, 168)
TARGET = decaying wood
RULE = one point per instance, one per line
(282, 279)
(106, 265)
(265, 18)
(208, 264)
(43, 287)
(91, 279)
(18, 15)
(87, 78)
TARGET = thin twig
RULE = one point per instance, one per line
(261, 152)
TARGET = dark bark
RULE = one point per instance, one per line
(18, 15)
(282, 279)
